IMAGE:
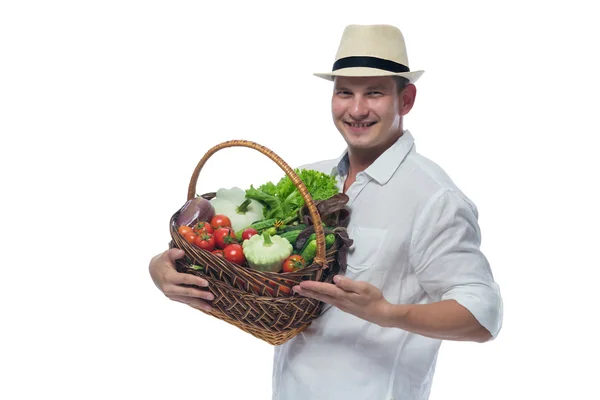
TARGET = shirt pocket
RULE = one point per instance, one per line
(366, 247)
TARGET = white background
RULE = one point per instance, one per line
(106, 107)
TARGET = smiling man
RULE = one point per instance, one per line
(415, 274)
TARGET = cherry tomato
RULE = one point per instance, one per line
(184, 230)
(203, 227)
(293, 263)
(248, 233)
(234, 253)
(205, 241)
(220, 220)
(284, 289)
(191, 237)
(224, 236)
(218, 253)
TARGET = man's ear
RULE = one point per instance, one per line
(407, 98)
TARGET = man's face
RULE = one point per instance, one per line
(368, 111)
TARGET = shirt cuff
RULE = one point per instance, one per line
(484, 302)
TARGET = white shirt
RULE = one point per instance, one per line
(417, 239)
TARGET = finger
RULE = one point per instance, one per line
(175, 290)
(196, 303)
(180, 278)
(347, 284)
(324, 288)
(173, 254)
(316, 295)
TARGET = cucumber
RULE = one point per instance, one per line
(271, 231)
(291, 236)
(329, 240)
(309, 252)
(264, 224)
(260, 226)
(290, 228)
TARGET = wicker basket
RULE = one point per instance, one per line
(260, 303)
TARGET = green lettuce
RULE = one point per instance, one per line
(284, 201)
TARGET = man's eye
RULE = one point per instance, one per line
(374, 93)
(344, 93)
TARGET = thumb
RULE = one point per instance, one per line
(174, 254)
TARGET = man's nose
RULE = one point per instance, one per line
(358, 108)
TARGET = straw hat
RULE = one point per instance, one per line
(371, 50)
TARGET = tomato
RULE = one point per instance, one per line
(293, 263)
(184, 230)
(203, 227)
(205, 241)
(270, 291)
(191, 237)
(224, 236)
(234, 253)
(284, 289)
(248, 233)
(220, 220)
(218, 253)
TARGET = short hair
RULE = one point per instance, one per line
(401, 82)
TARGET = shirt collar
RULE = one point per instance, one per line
(382, 169)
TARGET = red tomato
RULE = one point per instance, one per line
(284, 289)
(293, 263)
(220, 220)
(203, 227)
(184, 230)
(248, 233)
(224, 236)
(218, 253)
(234, 253)
(190, 237)
(205, 241)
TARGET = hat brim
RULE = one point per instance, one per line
(412, 76)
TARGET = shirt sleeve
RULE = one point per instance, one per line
(448, 262)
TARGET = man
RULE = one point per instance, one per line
(415, 274)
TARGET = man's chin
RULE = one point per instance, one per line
(362, 141)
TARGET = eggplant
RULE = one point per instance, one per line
(195, 210)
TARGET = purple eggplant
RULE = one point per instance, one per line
(195, 210)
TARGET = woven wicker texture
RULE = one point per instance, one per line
(260, 303)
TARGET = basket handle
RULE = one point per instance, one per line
(314, 213)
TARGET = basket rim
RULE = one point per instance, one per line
(264, 274)
(308, 200)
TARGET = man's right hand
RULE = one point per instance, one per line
(170, 282)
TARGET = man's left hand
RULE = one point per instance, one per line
(357, 298)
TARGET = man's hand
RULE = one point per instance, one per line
(170, 282)
(357, 298)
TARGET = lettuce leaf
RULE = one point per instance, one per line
(283, 200)
(272, 205)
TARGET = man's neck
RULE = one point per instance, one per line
(360, 159)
